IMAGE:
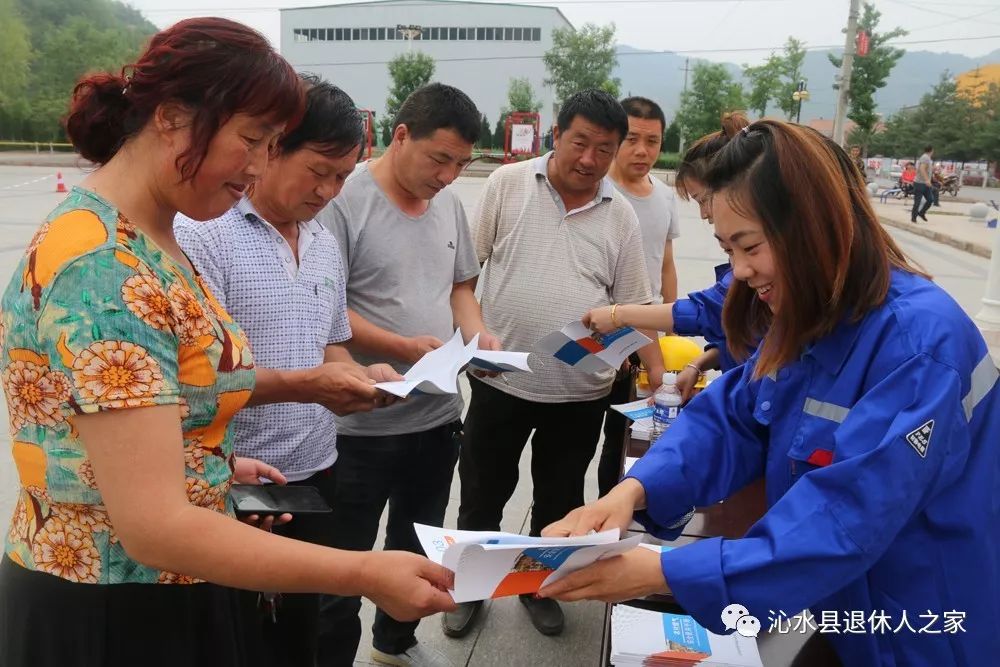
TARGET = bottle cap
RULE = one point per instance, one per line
(670, 378)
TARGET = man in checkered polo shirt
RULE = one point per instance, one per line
(278, 273)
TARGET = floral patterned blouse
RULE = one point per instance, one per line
(97, 317)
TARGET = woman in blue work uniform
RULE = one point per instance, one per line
(871, 408)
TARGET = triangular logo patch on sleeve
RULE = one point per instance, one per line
(920, 437)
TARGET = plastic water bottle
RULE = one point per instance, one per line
(666, 405)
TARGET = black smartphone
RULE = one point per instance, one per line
(275, 499)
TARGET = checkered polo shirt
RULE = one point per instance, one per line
(289, 312)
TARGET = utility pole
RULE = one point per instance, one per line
(846, 66)
(680, 145)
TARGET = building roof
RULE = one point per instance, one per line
(443, 2)
(825, 126)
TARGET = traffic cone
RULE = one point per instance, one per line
(60, 185)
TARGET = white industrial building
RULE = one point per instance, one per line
(477, 46)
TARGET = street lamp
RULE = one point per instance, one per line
(409, 32)
(799, 95)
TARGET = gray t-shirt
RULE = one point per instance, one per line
(657, 213)
(927, 163)
(400, 273)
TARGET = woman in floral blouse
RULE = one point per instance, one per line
(122, 373)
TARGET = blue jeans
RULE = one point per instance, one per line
(921, 191)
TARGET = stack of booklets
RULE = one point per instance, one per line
(649, 639)
(641, 414)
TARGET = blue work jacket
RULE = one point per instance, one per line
(880, 450)
(700, 314)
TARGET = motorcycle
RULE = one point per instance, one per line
(905, 189)
(951, 184)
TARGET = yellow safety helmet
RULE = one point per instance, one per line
(678, 352)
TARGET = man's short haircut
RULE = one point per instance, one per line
(597, 107)
(437, 106)
(645, 108)
(928, 148)
(331, 124)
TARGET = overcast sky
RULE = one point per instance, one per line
(740, 31)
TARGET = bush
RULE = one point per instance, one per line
(667, 161)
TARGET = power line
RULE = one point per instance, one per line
(947, 15)
(938, 25)
(654, 53)
(533, 3)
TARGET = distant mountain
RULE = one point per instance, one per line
(660, 76)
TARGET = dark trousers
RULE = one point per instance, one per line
(497, 427)
(413, 473)
(290, 637)
(609, 468)
(921, 191)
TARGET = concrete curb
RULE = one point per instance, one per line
(70, 161)
(967, 246)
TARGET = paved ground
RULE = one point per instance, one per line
(948, 223)
(506, 637)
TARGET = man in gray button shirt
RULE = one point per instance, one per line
(557, 239)
(411, 276)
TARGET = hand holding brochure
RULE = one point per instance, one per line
(591, 352)
(492, 565)
(500, 361)
(437, 371)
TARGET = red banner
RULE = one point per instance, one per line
(862, 44)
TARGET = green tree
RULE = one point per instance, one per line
(763, 81)
(712, 93)
(985, 132)
(774, 80)
(485, 134)
(581, 59)
(521, 96)
(66, 39)
(15, 55)
(790, 71)
(499, 133)
(944, 118)
(54, 73)
(408, 72)
(672, 138)
(870, 73)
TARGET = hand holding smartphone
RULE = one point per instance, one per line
(274, 500)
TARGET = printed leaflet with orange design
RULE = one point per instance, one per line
(493, 565)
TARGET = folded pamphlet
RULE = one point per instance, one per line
(437, 371)
(588, 351)
(493, 564)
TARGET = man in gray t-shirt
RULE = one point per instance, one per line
(655, 206)
(922, 189)
(654, 203)
(411, 275)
